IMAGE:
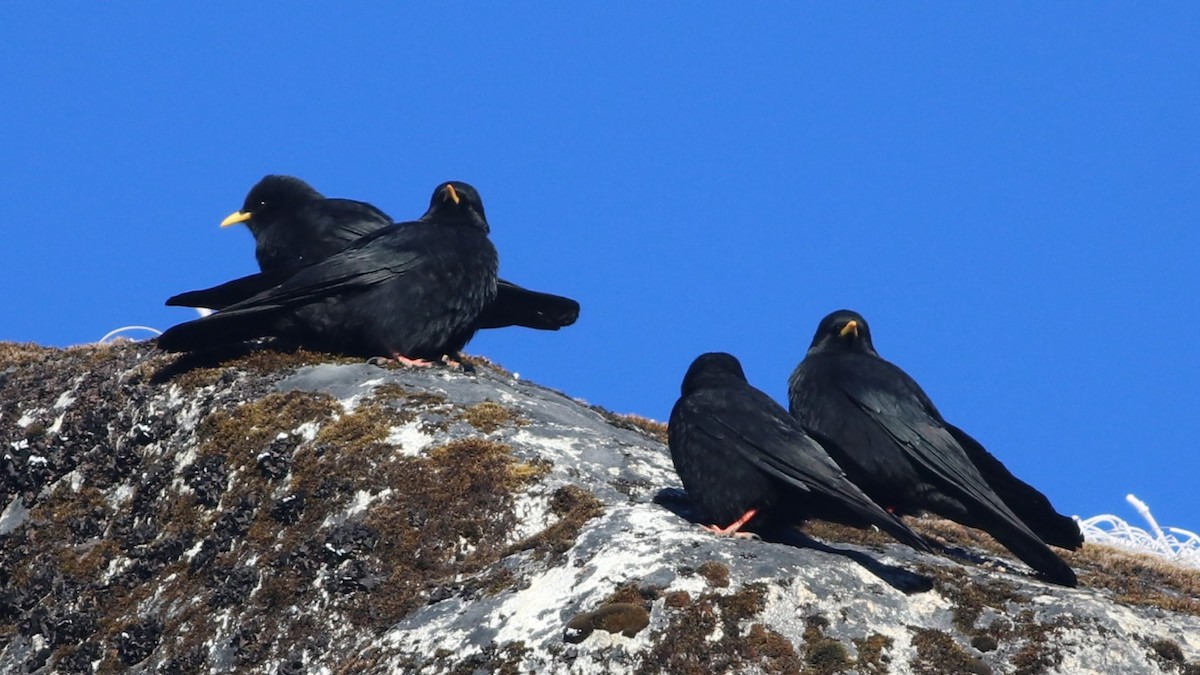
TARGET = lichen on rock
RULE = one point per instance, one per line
(296, 512)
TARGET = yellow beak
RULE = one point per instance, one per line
(236, 217)
(452, 192)
(850, 327)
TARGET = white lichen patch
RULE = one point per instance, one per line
(13, 516)
(635, 543)
(532, 511)
(509, 400)
(120, 495)
(359, 503)
(409, 439)
(564, 447)
(115, 567)
(66, 398)
(307, 431)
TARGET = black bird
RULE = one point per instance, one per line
(412, 291)
(743, 459)
(294, 226)
(885, 432)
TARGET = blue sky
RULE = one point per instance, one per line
(1009, 193)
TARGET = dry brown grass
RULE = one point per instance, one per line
(1137, 579)
(1133, 578)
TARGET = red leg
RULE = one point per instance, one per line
(733, 529)
(418, 363)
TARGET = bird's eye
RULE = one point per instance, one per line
(262, 203)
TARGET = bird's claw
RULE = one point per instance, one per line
(412, 363)
(730, 531)
(401, 359)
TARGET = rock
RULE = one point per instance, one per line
(299, 512)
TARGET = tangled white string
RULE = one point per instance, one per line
(1175, 544)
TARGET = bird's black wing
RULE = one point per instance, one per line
(517, 306)
(1030, 505)
(346, 220)
(926, 441)
(761, 431)
(231, 292)
(923, 439)
(374, 259)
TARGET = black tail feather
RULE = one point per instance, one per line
(217, 330)
(1030, 505)
(517, 306)
(1034, 553)
(230, 292)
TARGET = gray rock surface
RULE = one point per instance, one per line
(294, 513)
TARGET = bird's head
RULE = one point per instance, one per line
(271, 196)
(456, 203)
(712, 369)
(841, 332)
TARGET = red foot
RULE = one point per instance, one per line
(733, 529)
(412, 363)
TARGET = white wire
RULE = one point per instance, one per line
(1180, 546)
(202, 311)
(117, 331)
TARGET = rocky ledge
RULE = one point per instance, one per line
(290, 513)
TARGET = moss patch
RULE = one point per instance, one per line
(969, 597)
(643, 425)
(1137, 579)
(836, 532)
(934, 528)
(487, 416)
(687, 646)
(1170, 657)
(24, 354)
(938, 653)
(715, 573)
(392, 392)
(191, 372)
(822, 654)
(873, 658)
(574, 506)
(238, 434)
(684, 646)
(366, 425)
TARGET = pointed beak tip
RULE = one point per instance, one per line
(235, 218)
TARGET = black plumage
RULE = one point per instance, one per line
(740, 454)
(412, 290)
(884, 431)
(294, 226)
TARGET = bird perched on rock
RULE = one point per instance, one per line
(894, 444)
(411, 291)
(744, 461)
(294, 226)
